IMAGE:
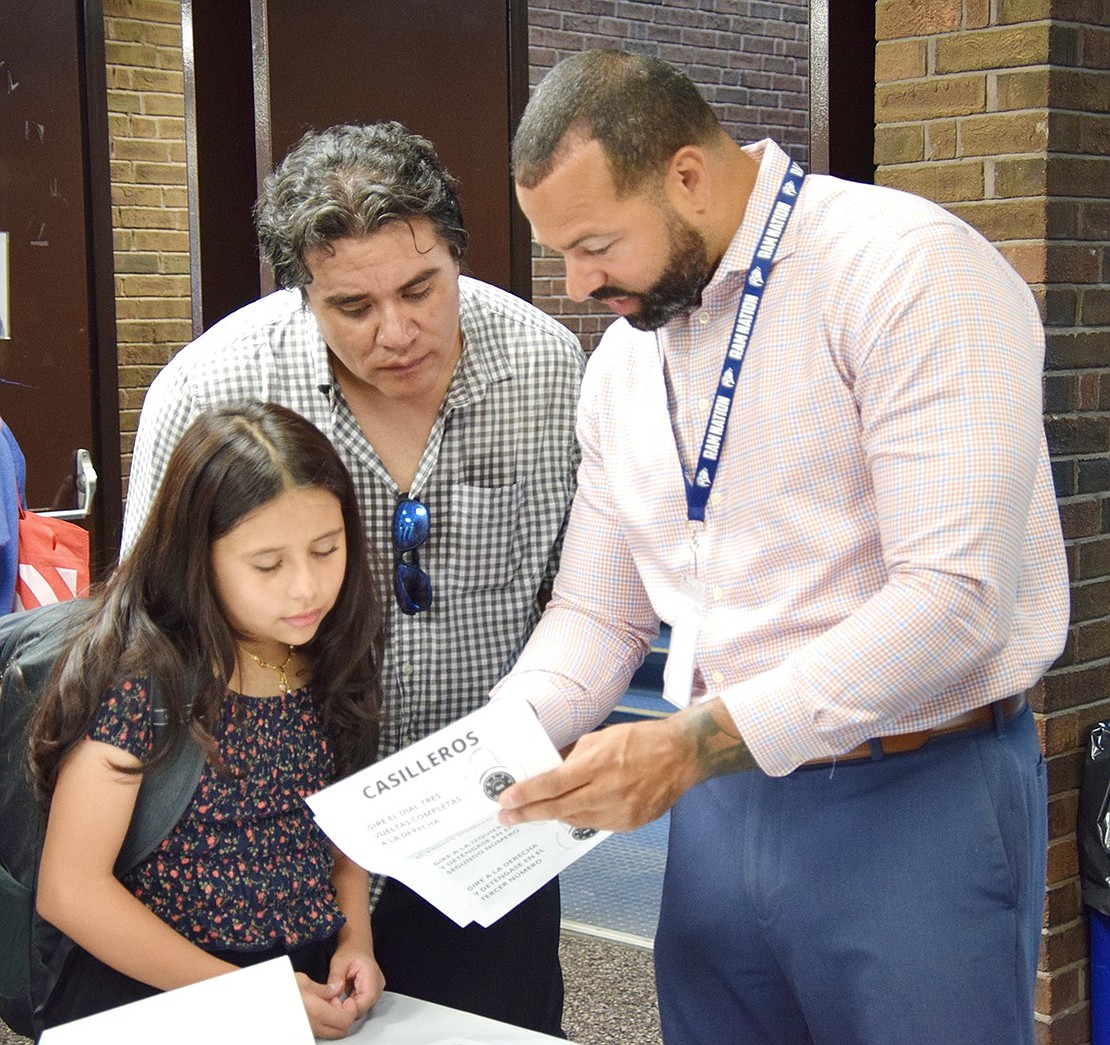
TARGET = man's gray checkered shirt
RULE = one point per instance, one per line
(497, 476)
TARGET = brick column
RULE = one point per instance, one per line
(149, 207)
(1000, 110)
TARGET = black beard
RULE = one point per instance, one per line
(677, 292)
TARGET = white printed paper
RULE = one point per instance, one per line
(427, 816)
(259, 1003)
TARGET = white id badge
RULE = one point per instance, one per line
(678, 672)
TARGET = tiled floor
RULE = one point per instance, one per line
(9, 1037)
(610, 992)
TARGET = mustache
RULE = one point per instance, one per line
(605, 293)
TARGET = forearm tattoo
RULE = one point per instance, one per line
(718, 748)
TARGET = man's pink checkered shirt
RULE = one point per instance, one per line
(882, 548)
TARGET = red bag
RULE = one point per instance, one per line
(53, 560)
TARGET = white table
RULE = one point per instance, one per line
(262, 1003)
(400, 1020)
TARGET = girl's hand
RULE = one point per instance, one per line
(329, 1014)
(359, 975)
(353, 966)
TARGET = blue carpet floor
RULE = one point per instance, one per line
(613, 891)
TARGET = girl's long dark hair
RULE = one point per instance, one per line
(157, 616)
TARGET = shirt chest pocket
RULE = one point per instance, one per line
(483, 548)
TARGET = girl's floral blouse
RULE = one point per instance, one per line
(246, 868)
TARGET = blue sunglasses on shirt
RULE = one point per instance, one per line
(411, 584)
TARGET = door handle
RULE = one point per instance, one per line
(86, 489)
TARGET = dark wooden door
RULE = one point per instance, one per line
(455, 71)
(57, 356)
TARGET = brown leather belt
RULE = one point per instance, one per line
(900, 743)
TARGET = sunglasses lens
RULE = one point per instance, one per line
(413, 588)
(410, 525)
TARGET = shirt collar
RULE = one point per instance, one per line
(484, 360)
(773, 163)
(317, 351)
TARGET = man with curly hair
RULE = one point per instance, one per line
(452, 404)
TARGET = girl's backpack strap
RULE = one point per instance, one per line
(164, 794)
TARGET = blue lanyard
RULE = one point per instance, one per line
(698, 491)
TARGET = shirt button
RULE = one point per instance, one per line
(704, 317)
(703, 404)
(718, 593)
(407, 670)
(718, 677)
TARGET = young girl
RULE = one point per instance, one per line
(251, 578)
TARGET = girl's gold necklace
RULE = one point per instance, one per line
(283, 679)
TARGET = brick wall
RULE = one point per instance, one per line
(753, 67)
(751, 60)
(1001, 111)
(149, 208)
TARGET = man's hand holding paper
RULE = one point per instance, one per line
(622, 777)
(427, 815)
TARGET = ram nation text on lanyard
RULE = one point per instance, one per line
(678, 675)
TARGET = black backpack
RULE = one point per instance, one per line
(34, 953)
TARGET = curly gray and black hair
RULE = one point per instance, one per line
(640, 109)
(351, 180)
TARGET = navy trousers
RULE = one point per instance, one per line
(895, 901)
